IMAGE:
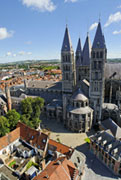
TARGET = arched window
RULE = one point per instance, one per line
(101, 54)
(97, 55)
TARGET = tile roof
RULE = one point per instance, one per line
(34, 137)
(67, 45)
(9, 138)
(59, 169)
(60, 147)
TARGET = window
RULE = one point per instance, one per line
(101, 54)
(96, 75)
(78, 159)
(93, 54)
(97, 55)
(99, 65)
(95, 64)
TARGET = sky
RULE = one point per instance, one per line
(34, 29)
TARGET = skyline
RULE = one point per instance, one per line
(34, 29)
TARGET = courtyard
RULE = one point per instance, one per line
(94, 169)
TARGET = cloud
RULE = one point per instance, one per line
(113, 18)
(71, 1)
(5, 34)
(93, 26)
(21, 53)
(9, 54)
(117, 32)
(29, 53)
(14, 55)
(41, 5)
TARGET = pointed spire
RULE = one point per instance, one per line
(99, 40)
(67, 45)
(86, 52)
(79, 48)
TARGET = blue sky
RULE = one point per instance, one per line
(34, 29)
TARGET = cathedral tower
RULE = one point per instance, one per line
(83, 61)
(78, 61)
(67, 65)
(97, 68)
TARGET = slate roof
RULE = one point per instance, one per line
(99, 40)
(111, 68)
(67, 45)
(79, 53)
(112, 126)
(79, 96)
(79, 48)
(86, 55)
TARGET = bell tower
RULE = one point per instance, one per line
(97, 70)
(67, 65)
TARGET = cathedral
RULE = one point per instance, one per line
(86, 96)
(83, 109)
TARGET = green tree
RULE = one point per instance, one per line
(31, 110)
(13, 118)
(4, 126)
(26, 106)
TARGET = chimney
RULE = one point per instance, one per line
(8, 96)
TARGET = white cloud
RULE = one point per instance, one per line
(5, 34)
(9, 54)
(93, 26)
(117, 32)
(21, 53)
(113, 18)
(29, 53)
(71, 1)
(14, 55)
(41, 5)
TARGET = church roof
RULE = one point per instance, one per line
(79, 53)
(79, 48)
(79, 96)
(113, 127)
(87, 52)
(67, 45)
(99, 40)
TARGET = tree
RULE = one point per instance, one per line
(13, 118)
(31, 110)
(26, 106)
(4, 126)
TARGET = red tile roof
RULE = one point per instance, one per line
(60, 147)
(9, 138)
(32, 136)
(60, 169)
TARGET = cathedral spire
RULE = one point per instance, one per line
(79, 48)
(86, 52)
(99, 40)
(67, 45)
